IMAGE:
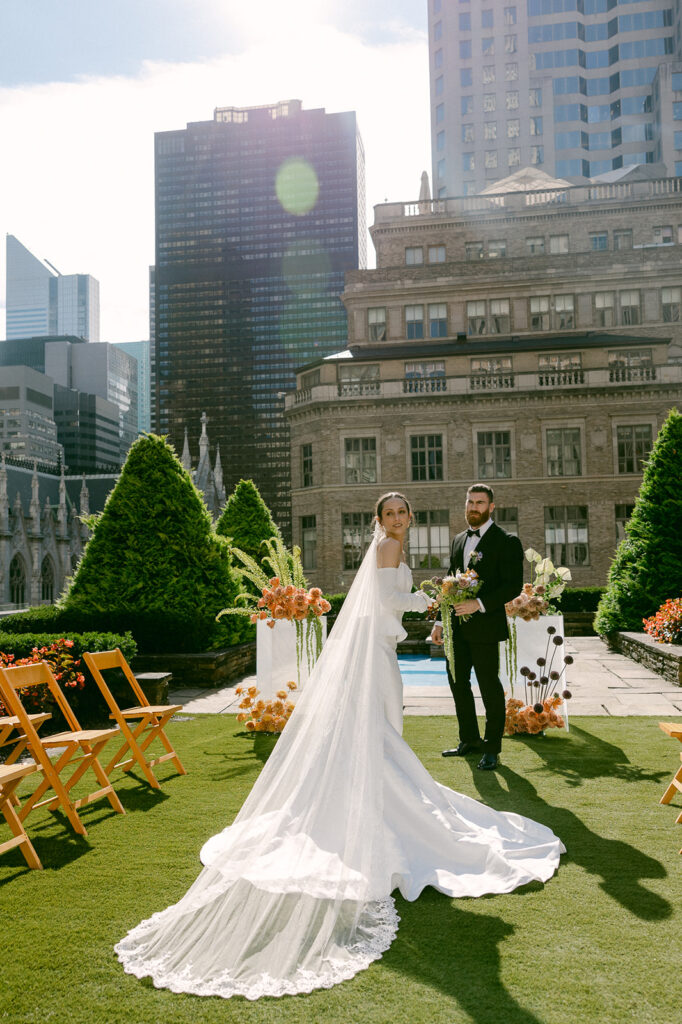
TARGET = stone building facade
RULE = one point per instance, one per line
(483, 349)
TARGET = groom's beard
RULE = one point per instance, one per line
(477, 518)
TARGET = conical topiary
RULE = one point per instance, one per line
(154, 564)
(247, 523)
(647, 567)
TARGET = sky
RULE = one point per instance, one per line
(84, 84)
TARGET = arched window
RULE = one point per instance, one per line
(17, 580)
(47, 580)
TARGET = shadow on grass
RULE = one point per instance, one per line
(456, 951)
(257, 747)
(621, 867)
(580, 755)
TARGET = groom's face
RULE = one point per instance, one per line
(478, 508)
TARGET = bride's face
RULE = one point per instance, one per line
(395, 518)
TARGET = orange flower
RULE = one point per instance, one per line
(315, 593)
(252, 691)
(282, 694)
(291, 685)
(262, 615)
(253, 617)
(270, 623)
(239, 689)
(251, 726)
(274, 582)
(279, 612)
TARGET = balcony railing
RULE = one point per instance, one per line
(480, 383)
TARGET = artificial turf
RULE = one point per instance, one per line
(599, 942)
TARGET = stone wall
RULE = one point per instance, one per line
(212, 669)
(663, 659)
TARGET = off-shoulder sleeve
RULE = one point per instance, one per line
(396, 599)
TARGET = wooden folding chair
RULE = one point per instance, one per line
(675, 730)
(10, 777)
(153, 719)
(9, 726)
(76, 748)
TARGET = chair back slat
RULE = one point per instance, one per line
(100, 661)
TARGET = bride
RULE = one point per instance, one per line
(295, 894)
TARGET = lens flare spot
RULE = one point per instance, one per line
(297, 186)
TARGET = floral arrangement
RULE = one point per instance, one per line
(265, 715)
(450, 591)
(284, 596)
(666, 625)
(534, 600)
(539, 709)
(64, 666)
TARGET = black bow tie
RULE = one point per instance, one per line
(473, 533)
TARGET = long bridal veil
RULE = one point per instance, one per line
(295, 894)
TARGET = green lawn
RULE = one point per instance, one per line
(599, 942)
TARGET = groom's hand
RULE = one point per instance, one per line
(436, 635)
(467, 607)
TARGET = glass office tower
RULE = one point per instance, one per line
(259, 214)
(577, 88)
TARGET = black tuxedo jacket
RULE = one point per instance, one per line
(501, 571)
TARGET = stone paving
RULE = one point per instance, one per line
(601, 681)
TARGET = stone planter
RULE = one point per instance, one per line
(211, 669)
(531, 644)
(276, 656)
(663, 659)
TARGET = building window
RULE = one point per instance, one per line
(466, 78)
(599, 241)
(629, 308)
(310, 380)
(17, 580)
(622, 239)
(426, 451)
(604, 309)
(623, 513)
(488, 74)
(466, 105)
(566, 535)
(513, 157)
(490, 158)
(510, 44)
(564, 319)
(535, 246)
(670, 300)
(440, 141)
(47, 580)
(560, 368)
(465, 49)
(558, 244)
(438, 320)
(376, 323)
(488, 47)
(441, 168)
(309, 542)
(440, 113)
(563, 451)
(512, 100)
(489, 102)
(465, 22)
(513, 128)
(535, 97)
(537, 155)
(511, 72)
(436, 253)
(510, 16)
(497, 247)
(494, 454)
(467, 133)
(429, 540)
(490, 130)
(495, 371)
(414, 255)
(535, 125)
(362, 379)
(631, 365)
(414, 322)
(473, 250)
(487, 18)
(360, 460)
(476, 322)
(468, 162)
(420, 369)
(307, 465)
(663, 236)
(358, 530)
(634, 445)
(508, 519)
(538, 308)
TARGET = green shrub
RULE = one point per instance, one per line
(154, 564)
(647, 567)
(580, 599)
(247, 523)
(336, 602)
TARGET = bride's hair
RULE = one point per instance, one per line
(379, 507)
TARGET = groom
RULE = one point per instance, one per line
(497, 557)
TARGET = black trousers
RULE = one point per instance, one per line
(484, 659)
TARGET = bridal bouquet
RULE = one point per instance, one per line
(450, 591)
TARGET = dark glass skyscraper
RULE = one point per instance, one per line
(259, 214)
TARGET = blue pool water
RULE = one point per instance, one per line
(419, 670)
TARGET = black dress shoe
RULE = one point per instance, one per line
(461, 750)
(487, 763)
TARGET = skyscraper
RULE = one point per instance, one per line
(578, 88)
(41, 301)
(259, 213)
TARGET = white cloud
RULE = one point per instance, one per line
(76, 183)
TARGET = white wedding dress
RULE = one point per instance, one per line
(296, 893)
